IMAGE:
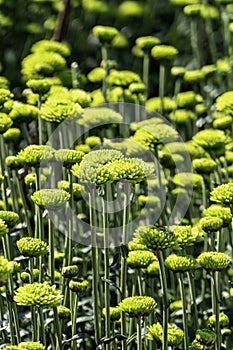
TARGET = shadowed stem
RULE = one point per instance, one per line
(145, 74)
(194, 41)
(216, 309)
(74, 309)
(184, 309)
(139, 333)
(193, 300)
(51, 251)
(165, 301)
(161, 85)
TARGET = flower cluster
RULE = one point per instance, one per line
(156, 237)
(33, 155)
(217, 210)
(222, 194)
(180, 263)
(9, 217)
(50, 198)
(32, 247)
(6, 268)
(214, 261)
(25, 346)
(137, 306)
(3, 228)
(175, 334)
(140, 258)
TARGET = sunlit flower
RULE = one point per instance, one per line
(9, 217)
(11, 135)
(154, 104)
(78, 287)
(137, 306)
(91, 117)
(33, 155)
(5, 122)
(115, 313)
(105, 34)
(210, 138)
(156, 237)
(213, 261)
(223, 320)
(147, 42)
(51, 46)
(32, 247)
(96, 75)
(50, 198)
(222, 194)
(175, 334)
(218, 210)
(181, 116)
(6, 268)
(164, 53)
(69, 271)
(186, 235)
(43, 85)
(211, 223)
(204, 165)
(140, 259)
(180, 263)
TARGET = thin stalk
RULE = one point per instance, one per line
(140, 282)
(163, 282)
(74, 318)
(42, 335)
(10, 289)
(25, 133)
(216, 310)
(139, 333)
(184, 308)
(3, 331)
(57, 330)
(193, 300)
(104, 52)
(194, 42)
(161, 85)
(51, 266)
(95, 271)
(34, 323)
(145, 72)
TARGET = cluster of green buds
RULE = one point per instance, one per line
(12, 135)
(122, 78)
(63, 312)
(39, 295)
(223, 320)
(175, 334)
(210, 139)
(205, 339)
(23, 113)
(69, 271)
(78, 287)
(91, 117)
(68, 157)
(26, 346)
(204, 165)
(6, 268)
(188, 180)
(186, 235)
(156, 238)
(181, 116)
(140, 259)
(137, 306)
(152, 269)
(180, 263)
(115, 313)
(217, 210)
(222, 194)
(3, 228)
(33, 155)
(105, 34)
(164, 53)
(214, 261)
(6, 101)
(26, 276)
(5, 122)
(224, 103)
(76, 188)
(9, 217)
(154, 104)
(51, 199)
(211, 223)
(32, 247)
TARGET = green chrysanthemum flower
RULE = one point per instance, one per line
(181, 116)
(156, 237)
(137, 88)
(105, 34)
(122, 78)
(96, 6)
(96, 75)
(63, 312)
(91, 117)
(81, 97)
(180, 263)
(9, 217)
(6, 268)
(23, 113)
(26, 276)
(5, 96)
(137, 306)
(78, 287)
(210, 139)
(92, 162)
(12, 135)
(206, 336)
(140, 259)
(152, 269)
(13, 162)
(93, 141)
(164, 53)
(224, 65)
(154, 104)
(217, 210)
(146, 43)
(5, 123)
(186, 99)
(134, 170)
(188, 180)
(70, 271)
(33, 155)
(194, 76)
(69, 157)
(32, 247)
(186, 235)
(150, 201)
(201, 10)
(31, 346)
(222, 194)
(77, 188)
(178, 71)
(204, 165)
(195, 151)
(30, 179)
(83, 148)
(209, 70)
(135, 245)
(211, 223)
(115, 313)
(214, 261)
(59, 110)
(176, 305)
(3, 228)
(175, 334)
(51, 46)
(4, 82)
(42, 86)
(50, 198)
(223, 122)
(131, 9)
(120, 41)
(224, 103)
(223, 320)
(38, 294)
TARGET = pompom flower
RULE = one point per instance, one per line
(96, 75)
(147, 42)
(43, 85)
(152, 269)
(180, 263)
(78, 287)
(186, 99)
(194, 76)
(6, 268)
(175, 334)
(210, 139)
(13, 162)
(63, 312)
(137, 306)
(9, 217)
(23, 113)
(69, 271)
(204, 165)
(3, 228)
(93, 141)
(92, 117)
(50, 198)
(154, 104)
(33, 155)
(5, 123)
(105, 34)
(12, 135)
(38, 294)
(223, 320)
(224, 103)
(164, 53)
(222, 194)
(156, 237)
(211, 223)
(181, 116)
(59, 110)
(51, 46)
(68, 157)
(218, 210)
(122, 78)
(140, 259)
(115, 313)
(213, 261)
(32, 247)
(188, 180)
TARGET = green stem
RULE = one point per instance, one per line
(145, 74)
(34, 324)
(51, 266)
(216, 311)
(42, 335)
(163, 282)
(57, 329)
(74, 318)
(193, 300)
(184, 308)
(161, 85)
(104, 52)
(194, 41)
(139, 333)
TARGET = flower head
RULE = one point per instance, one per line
(13, 162)
(195, 150)
(188, 180)
(140, 259)
(186, 99)
(51, 46)
(164, 53)
(213, 261)
(63, 312)
(30, 346)
(222, 194)
(11, 135)
(9, 217)
(3, 228)
(33, 155)
(122, 78)
(186, 235)
(50, 198)
(217, 210)
(223, 123)
(38, 294)
(96, 75)
(181, 116)
(137, 306)
(5, 123)
(91, 117)
(32, 247)
(58, 110)
(131, 9)
(224, 103)
(180, 263)
(223, 320)
(105, 34)
(93, 141)
(194, 76)
(156, 237)
(152, 269)
(78, 287)
(211, 223)
(175, 334)
(5, 98)
(204, 165)
(70, 271)
(6, 268)
(115, 313)
(147, 42)
(210, 139)
(154, 104)
(43, 85)
(69, 157)
(205, 336)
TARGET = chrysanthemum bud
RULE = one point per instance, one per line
(51, 46)
(223, 320)
(122, 78)
(140, 259)
(9, 217)
(5, 123)
(115, 313)
(70, 271)
(211, 223)
(180, 263)
(210, 139)
(69, 157)
(217, 210)
(156, 237)
(147, 42)
(3, 228)
(32, 247)
(213, 261)
(63, 312)
(33, 155)
(175, 334)
(137, 306)
(78, 287)
(164, 53)
(99, 115)
(13, 162)
(222, 194)
(105, 34)
(11, 135)
(50, 198)
(6, 268)
(204, 165)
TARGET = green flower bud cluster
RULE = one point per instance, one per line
(176, 305)
(137, 306)
(51, 46)
(100, 115)
(4, 82)
(26, 276)
(195, 150)
(92, 162)
(76, 188)
(38, 294)
(135, 245)
(32, 247)
(224, 103)
(33, 155)
(97, 7)
(222, 194)
(58, 110)
(140, 259)
(205, 337)
(131, 9)
(224, 67)
(43, 85)
(96, 75)
(186, 99)
(175, 334)
(180, 263)
(134, 170)
(156, 237)
(181, 116)
(188, 180)
(115, 313)
(223, 320)
(50, 198)
(223, 123)
(13, 162)
(5, 123)
(152, 269)
(154, 104)
(68, 157)
(217, 210)
(93, 141)
(122, 78)
(214, 261)
(201, 10)
(30, 179)
(146, 43)
(78, 287)
(63, 312)
(204, 165)
(211, 223)
(210, 139)
(5, 100)
(150, 201)
(69, 271)
(3, 228)
(25, 346)
(83, 148)
(194, 76)
(164, 53)
(9, 217)
(6, 268)
(105, 34)
(184, 2)
(12, 135)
